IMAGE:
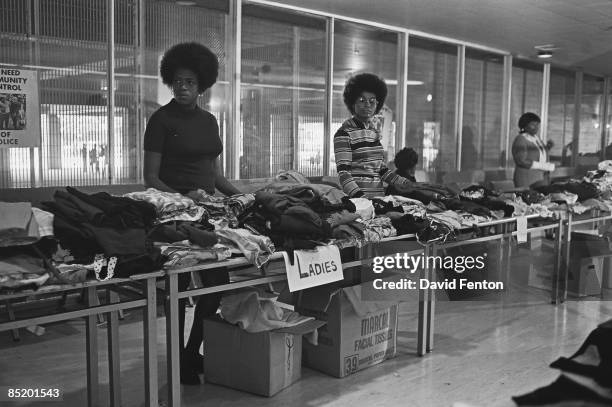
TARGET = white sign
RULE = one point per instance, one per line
(19, 108)
(312, 268)
(521, 229)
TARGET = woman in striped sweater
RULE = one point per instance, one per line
(359, 153)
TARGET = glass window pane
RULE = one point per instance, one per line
(282, 92)
(608, 124)
(561, 102)
(482, 142)
(589, 142)
(430, 114)
(526, 95)
(362, 49)
(166, 24)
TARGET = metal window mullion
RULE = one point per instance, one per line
(577, 116)
(34, 48)
(140, 88)
(545, 100)
(110, 86)
(402, 93)
(233, 160)
(603, 117)
(295, 102)
(329, 93)
(506, 109)
(459, 101)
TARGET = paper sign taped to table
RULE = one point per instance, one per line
(312, 268)
(521, 229)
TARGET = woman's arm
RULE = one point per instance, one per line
(393, 178)
(152, 163)
(222, 183)
(522, 160)
(520, 153)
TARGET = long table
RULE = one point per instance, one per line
(274, 271)
(90, 311)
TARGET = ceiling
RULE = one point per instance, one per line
(581, 29)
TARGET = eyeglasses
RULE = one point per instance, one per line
(190, 83)
(371, 101)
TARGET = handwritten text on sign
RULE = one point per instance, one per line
(312, 268)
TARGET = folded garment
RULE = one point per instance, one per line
(382, 207)
(22, 270)
(164, 202)
(605, 166)
(18, 225)
(341, 218)
(583, 189)
(347, 231)
(256, 314)
(377, 229)
(450, 218)
(364, 208)
(183, 254)
(562, 197)
(319, 197)
(409, 224)
(291, 176)
(256, 248)
(239, 204)
(44, 220)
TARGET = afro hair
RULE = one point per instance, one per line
(405, 159)
(526, 119)
(193, 56)
(365, 82)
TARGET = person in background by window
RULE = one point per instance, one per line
(357, 148)
(530, 153)
(181, 154)
(405, 162)
(93, 159)
(102, 158)
(84, 157)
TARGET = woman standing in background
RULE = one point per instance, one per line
(530, 153)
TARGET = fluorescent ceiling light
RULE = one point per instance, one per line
(393, 82)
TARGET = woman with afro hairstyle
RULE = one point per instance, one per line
(530, 154)
(357, 147)
(181, 154)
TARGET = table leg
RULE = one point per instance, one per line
(114, 368)
(150, 344)
(422, 332)
(92, 351)
(566, 264)
(558, 263)
(432, 305)
(11, 315)
(172, 341)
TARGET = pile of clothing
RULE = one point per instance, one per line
(106, 230)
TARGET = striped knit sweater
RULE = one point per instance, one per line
(359, 160)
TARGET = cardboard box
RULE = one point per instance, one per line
(263, 363)
(358, 334)
(540, 276)
(585, 277)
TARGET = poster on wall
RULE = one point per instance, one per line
(19, 108)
